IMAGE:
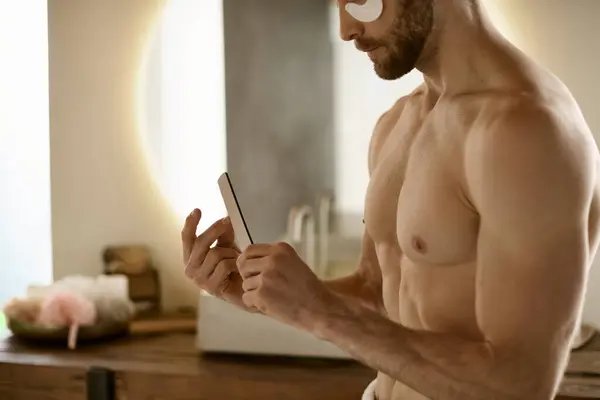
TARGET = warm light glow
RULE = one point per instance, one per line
(25, 234)
(185, 107)
(497, 13)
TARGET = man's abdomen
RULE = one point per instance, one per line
(426, 298)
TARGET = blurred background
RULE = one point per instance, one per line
(118, 116)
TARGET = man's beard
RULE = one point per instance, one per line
(406, 40)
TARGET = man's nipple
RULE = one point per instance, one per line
(419, 245)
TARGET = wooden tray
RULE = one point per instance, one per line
(93, 333)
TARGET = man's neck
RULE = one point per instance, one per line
(458, 56)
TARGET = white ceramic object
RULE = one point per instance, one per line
(341, 250)
(224, 328)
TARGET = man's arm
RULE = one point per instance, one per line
(532, 183)
(365, 284)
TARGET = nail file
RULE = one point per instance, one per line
(368, 12)
(242, 234)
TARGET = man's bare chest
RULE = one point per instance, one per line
(416, 198)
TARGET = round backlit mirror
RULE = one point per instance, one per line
(182, 106)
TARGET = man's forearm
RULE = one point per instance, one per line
(357, 288)
(437, 365)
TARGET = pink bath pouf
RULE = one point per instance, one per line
(67, 309)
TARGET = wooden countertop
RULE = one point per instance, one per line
(582, 380)
(169, 367)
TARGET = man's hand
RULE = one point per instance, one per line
(212, 269)
(279, 284)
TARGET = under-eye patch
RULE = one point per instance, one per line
(367, 12)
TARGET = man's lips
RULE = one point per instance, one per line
(366, 49)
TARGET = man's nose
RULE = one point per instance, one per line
(350, 28)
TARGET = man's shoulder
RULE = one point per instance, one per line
(532, 135)
(532, 116)
(535, 98)
(531, 157)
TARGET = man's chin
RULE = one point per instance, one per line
(385, 73)
(388, 73)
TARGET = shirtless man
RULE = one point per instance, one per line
(481, 220)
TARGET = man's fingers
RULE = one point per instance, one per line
(205, 240)
(188, 233)
(251, 283)
(201, 270)
(218, 281)
(251, 261)
(257, 251)
(249, 300)
(250, 267)
(227, 239)
(217, 255)
(264, 249)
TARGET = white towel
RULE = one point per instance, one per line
(369, 393)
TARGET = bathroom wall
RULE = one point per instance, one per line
(102, 190)
(279, 94)
(279, 109)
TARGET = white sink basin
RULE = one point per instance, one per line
(224, 328)
(342, 254)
